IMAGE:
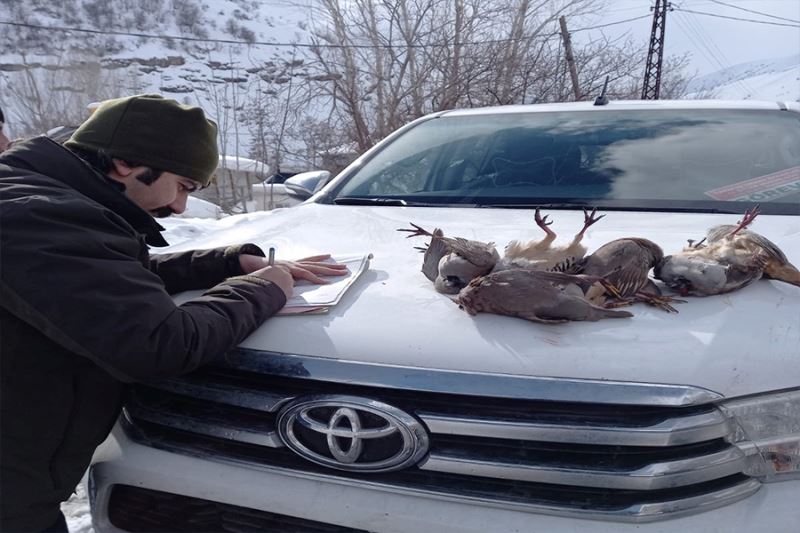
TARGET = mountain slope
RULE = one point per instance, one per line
(768, 79)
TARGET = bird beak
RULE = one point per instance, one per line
(449, 285)
(455, 283)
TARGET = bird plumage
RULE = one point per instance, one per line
(538, 296)
(540, 254)
(625, 263)
(729, 258)
(452, 262)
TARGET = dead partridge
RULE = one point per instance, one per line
(540, 255)
(545, 297)
(625, 264)
(729, 258)
(452, 262)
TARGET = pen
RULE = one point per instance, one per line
(271, 260)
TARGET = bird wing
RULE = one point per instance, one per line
(760, 253)
(575, 308)
(559, 278)
(480, 254)
(717, 233)
(531, 295)
(625, 263)
(517, 292)
(748, 239)
(535, 318)
(565, 305)
(767, 247)
(737, 276)
(570, 265)
(631, 277)
(430, 262)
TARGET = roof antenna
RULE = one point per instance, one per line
(602, 99)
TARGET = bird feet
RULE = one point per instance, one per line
(588, 220)
(748, 218)
(542, 222)
(624, 302)
(657, 300)
(417, 231)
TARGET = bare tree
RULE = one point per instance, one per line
(57, 94)
(272, 111)
(222, 93)
(383, 63)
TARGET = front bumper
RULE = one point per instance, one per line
(121, 461)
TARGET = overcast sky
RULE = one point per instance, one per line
(714, 42)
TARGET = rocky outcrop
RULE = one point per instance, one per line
(159, 62)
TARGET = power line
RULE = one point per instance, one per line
(246, 43)
(736, 18)
(705, 45)
(610, 23)
(169, 37)
(755, 12)
(280, 44)
(706, 41)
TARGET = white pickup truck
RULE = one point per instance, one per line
(396, 411)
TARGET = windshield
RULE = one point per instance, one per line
(705, 160)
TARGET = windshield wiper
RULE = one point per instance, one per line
(605, 206)
(540, 205)
(353, 200)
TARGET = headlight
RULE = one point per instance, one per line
(768, 429)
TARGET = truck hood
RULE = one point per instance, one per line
(741, 343)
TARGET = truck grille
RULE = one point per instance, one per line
(136, 509)
(508, 448)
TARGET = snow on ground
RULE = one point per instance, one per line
(783, 86)
(76, 509)
(768, 79)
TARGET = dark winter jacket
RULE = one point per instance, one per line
(84, 309)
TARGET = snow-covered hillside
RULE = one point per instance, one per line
(239, 80)
(769, 79)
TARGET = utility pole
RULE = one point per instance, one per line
(570, 58)
(655, 54)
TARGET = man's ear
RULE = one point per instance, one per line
(120, 168)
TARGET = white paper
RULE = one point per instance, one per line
(310, 295)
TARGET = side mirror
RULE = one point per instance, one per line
(302, 186)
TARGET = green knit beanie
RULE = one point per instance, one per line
(153, 131)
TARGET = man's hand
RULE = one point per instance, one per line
(308, 268)
(278, 275)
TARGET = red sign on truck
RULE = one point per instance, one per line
(763, 188)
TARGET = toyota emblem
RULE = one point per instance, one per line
(352, 433)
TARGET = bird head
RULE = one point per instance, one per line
(450, 284)
(455, 272)
(671, 271)
(689, 274)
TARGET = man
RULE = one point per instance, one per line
(3, 138)
(85, 309)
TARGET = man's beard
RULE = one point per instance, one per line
(161, 212)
